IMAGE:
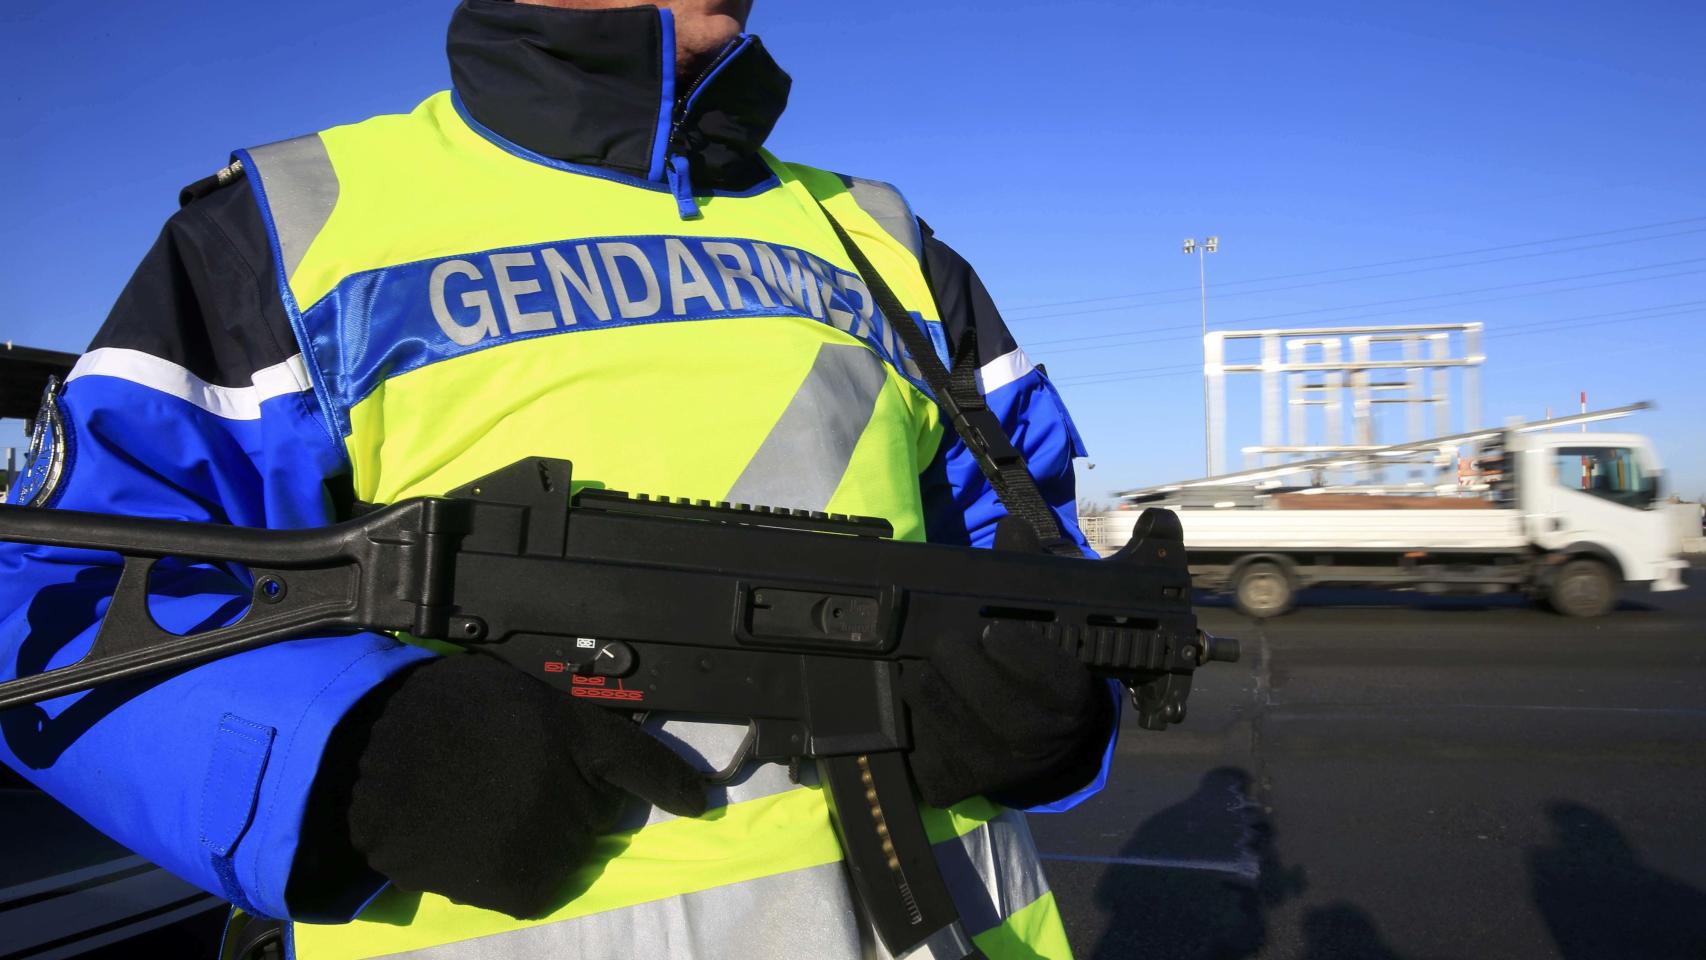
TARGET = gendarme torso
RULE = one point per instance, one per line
(462, 303)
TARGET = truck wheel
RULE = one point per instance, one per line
(1583, 588)
(1264, 590)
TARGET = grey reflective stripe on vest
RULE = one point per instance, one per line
(884, 204)
(301, 189)
(801, 463)
(788, 915)
(992, 873)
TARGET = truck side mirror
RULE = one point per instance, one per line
(1651, 491)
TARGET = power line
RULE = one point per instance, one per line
(1525, 329)
(1147, 373)
(1499, 286)
(1364, 266)
(1146, 340)
(1519, 296)
(1505, 329)
(1596, 323)
(1375, 276)
(1385, 263)
(1144, 336)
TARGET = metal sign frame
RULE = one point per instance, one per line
(1338, 367)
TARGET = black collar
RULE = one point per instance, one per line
(598, 87)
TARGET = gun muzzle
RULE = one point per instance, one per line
(1223, 649)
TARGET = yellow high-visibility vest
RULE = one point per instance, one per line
(462, 303)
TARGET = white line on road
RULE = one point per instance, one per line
(75, 878)
(1387, 710)
(1248, 869)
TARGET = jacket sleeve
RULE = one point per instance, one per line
(192, 403)
(959, 504)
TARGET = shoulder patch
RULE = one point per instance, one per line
(225, 177)
(45, 463)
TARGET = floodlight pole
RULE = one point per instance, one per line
(1200, 247)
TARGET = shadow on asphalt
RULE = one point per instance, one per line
(1202, 910)
(1214, 910)
(1341, 931)
(1601, 903)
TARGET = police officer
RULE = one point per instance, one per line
(581, 251)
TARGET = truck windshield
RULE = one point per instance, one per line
(1611, 473)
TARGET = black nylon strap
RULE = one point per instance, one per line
(969, 416)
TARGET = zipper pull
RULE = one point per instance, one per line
(681, 185)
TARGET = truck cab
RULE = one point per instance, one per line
(1594, 497)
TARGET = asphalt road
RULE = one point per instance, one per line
(1386, 776)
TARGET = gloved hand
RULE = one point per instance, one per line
(484, 785)
(1007, 715)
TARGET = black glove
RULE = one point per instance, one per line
(477, 782)
(1007, 715)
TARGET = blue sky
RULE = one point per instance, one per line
(1548, 161)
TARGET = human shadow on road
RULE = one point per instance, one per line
(1343, 931)
(1602, 903)
(1169, 900)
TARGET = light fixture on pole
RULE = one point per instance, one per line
(1201, 247)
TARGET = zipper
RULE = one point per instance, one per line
(676, 166)
(684, 102)
(681, 185)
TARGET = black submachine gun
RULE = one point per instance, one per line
(795, 622)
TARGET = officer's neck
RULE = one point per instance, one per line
(596, 86)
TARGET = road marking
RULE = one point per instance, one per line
(86, 940)
(1551, 708)
(74, 912)
(35, 890)
(1248, 869)
(1387, 710)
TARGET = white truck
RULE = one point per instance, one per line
(1565, 517)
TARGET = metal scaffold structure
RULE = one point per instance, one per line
(1334, 369)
